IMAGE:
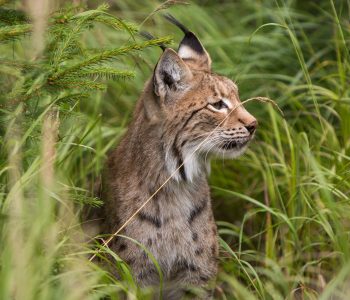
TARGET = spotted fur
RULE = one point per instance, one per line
(184, 107)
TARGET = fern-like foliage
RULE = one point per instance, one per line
(9, 33)
(12, 17)
(66, 67)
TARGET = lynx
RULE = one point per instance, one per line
(185, 114)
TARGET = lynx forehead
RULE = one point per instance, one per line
(185, 114)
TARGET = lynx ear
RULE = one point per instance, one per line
(193, 53)
(191, 49)
(171, 74)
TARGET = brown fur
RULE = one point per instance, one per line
(174, 114)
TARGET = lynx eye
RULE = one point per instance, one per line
(219, 105)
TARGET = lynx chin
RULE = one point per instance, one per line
(183, 104)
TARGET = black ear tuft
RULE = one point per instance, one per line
(176, 22)
(190, 48)
(148, 36)
(189, 39)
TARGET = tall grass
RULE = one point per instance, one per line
(283, 209)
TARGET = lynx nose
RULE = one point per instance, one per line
(252, 126)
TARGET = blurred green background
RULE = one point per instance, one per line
(283, 208)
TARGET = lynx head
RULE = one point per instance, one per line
(199, 110)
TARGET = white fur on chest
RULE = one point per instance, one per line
(192, 164)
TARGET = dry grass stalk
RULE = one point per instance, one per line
(39, 11)
(49, 134)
